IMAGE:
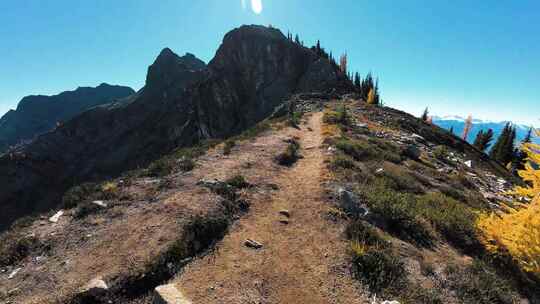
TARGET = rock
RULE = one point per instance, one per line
(412, 152)
(100, 204)
(285, 213)
(253, 244)
(349, 202)
(14, 273)
(379, 171)
(468, 163)
(390, 302)
(94, 288)
(362, 125)
(56, 216)
(169, 294)
(284, 221)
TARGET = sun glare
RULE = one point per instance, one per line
(256, 6)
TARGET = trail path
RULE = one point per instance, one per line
(303, 261)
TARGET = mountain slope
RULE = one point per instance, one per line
(182, 103)
(38, 114)
(187, 229)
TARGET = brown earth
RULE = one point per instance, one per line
(304, 261)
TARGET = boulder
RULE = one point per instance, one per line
(94, 289)
(412, 152)
(56, 216)
(350, 203)
(169, 294)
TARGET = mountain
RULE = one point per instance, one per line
(458, 123)
(37, 114)
(260, 177)
(182, 103)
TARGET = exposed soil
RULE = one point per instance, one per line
(304, 261)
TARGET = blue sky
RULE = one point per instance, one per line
(458, 57)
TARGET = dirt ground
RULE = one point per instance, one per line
(303, 261)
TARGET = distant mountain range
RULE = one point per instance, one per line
(37, 114)
(458, 123)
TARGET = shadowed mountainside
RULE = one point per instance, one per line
(182, 103)
(37, 114)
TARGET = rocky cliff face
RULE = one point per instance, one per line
(183, 102)
(38, 114)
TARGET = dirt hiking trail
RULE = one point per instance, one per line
(302, 261)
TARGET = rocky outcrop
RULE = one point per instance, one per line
(183, 102)
(38, 114)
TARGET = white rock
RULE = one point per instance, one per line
(380, 170)
(56, 216)
(100, 203)
(390, 302)
(95, 287)
(14, 273)
(468, 163)
(169, 294)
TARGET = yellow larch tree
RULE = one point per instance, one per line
(517, 230)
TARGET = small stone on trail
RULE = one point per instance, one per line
(14, 273)
(169, 294)
(56, 216)
(100, 203)
(252, 244)
(468, 163)
(285, 222)
(285, 213)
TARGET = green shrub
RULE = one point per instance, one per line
(454, 220)
(339, 116)
(294, 118)
(342, 161)
(479, 284)
(358, 230)
(238, 181)
(79, 193)
(441, 153)
(400, 178)
(186, 164)
(161, 167)
(398, 211)
(15, 246)
(359, 150)
(379, 270)
(85, 209)
(229, 144)
(290, 155)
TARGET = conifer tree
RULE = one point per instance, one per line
(297, 39)
(483, 140)
(357, 80)
(425, 115)
(343, 63)
(503, 151)
(371, 97)
(451, 130)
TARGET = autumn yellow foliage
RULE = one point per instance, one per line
(516, 232)
(371, 97)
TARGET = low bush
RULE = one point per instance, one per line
(379, 270)
(238, 181)
(186, 164)
(398, 212)
(79, 193)
(15, 246)
(454, 220)
(161, 167)
(109, 190)
(342, 161)
(290, 155)
(400, 178)
(441, 153)
(339, 116)
(227, 147)
(479, 284)
(359, 150)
